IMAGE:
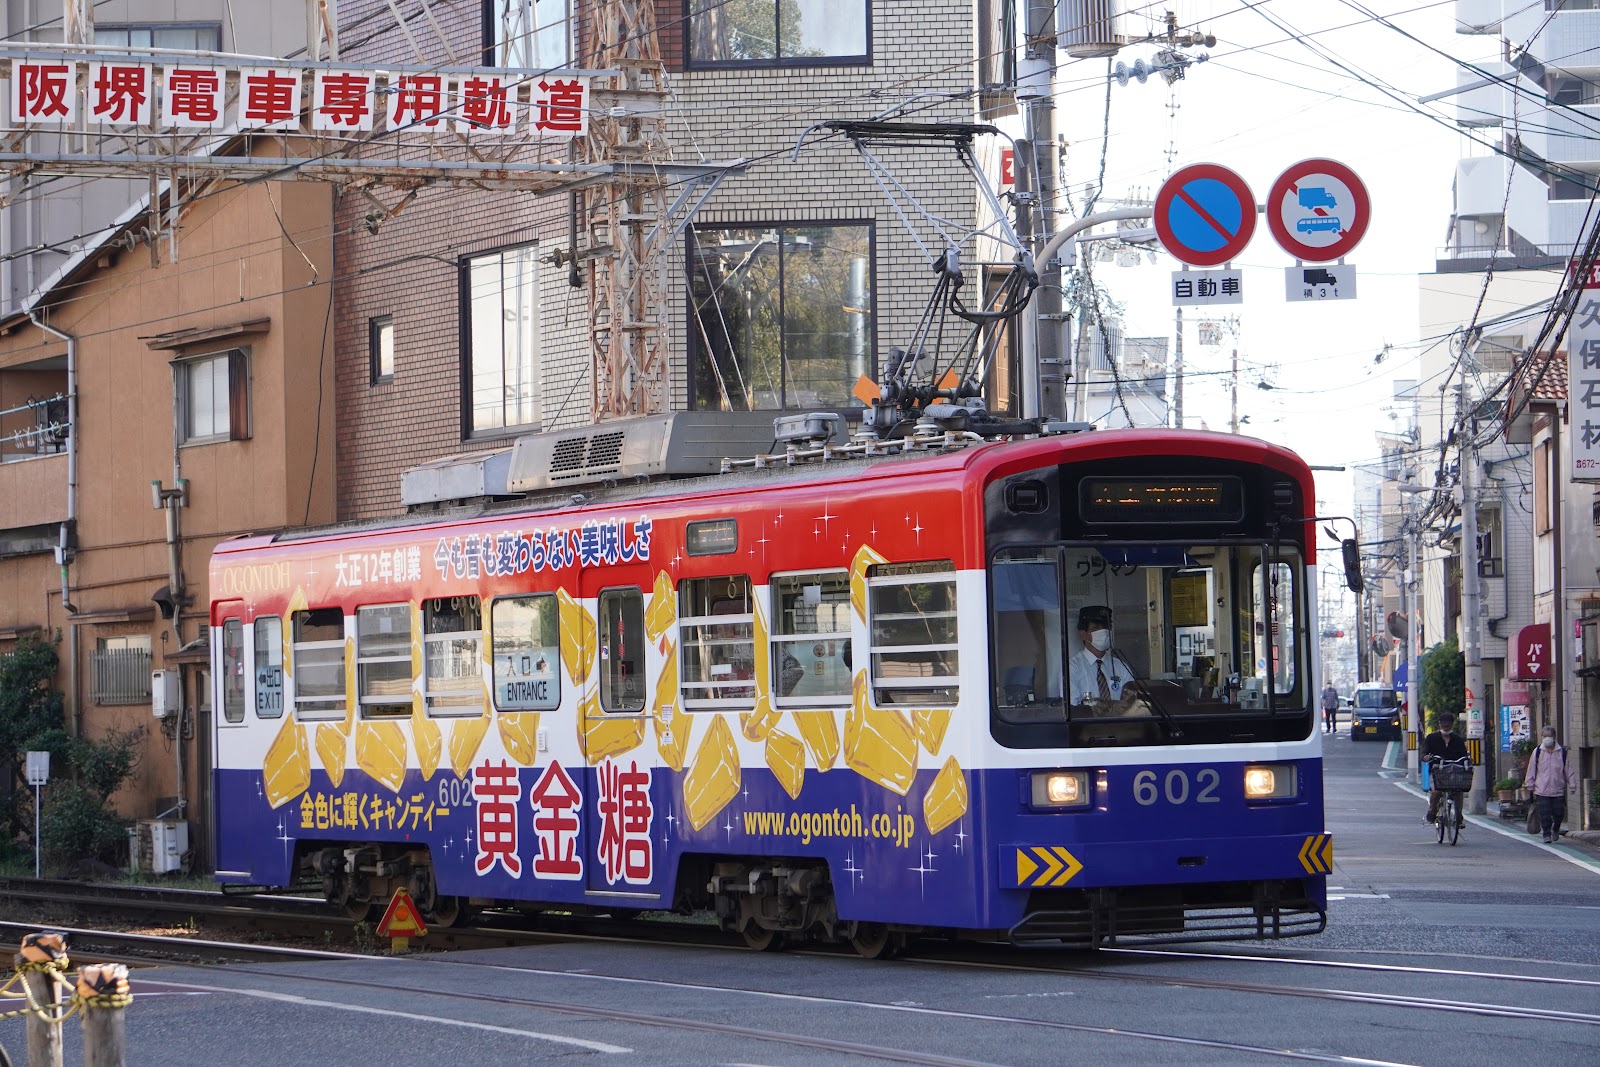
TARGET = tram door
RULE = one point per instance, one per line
(623, 796)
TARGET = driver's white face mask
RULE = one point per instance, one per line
(1100, 639)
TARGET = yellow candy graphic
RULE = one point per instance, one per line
(672, 725)
(520, 733)
(930, 725)
(286, 772)
(713, 778)
(763, 661)
(578, 638)
(350, 697)
(297, 602)
(465, 737)
(332, 748)
(787, 758)
(865, 557)
(663, 609)
(758, 724)
(820, 729)
(879, 744)
(946, 799)
(430, 743)
(381, 752)
(601, 735)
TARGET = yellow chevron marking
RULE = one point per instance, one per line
(1316, 854)
(1072, 866)
(1053, 865)
(1025, 867)
(1326, 855)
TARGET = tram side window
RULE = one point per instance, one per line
(527, 652)
(383, 661)
(811, 638)
(452, 655)
(269, 667)
(233, 670)
(716, 628)
(911, 618)
(1275, 627)
(318, 663)
(622, 650)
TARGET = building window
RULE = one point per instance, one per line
(122, 670)
(779, 32)
(380, 348)
(517, 33)
(193, 37)
(213, 397)
(783, 316)
(1567, 188)
(500, 310)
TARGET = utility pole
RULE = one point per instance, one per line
(1035, 84)
(1471, 601)
(1177, 373)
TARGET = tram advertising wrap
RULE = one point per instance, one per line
(1056, 690)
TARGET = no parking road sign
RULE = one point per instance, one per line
(1318, 210)
(1205, 215)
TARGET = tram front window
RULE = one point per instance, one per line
(1147, 644)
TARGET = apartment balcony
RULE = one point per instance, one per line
(1487, 105)
(33, 492)
(1478, 16)
(1569, 134)
(1560, 33)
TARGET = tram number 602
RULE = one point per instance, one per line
(1175, 786)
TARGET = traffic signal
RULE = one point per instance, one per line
(1333, 633)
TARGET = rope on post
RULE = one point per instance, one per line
(99, 993)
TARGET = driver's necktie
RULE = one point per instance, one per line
(1100, 676)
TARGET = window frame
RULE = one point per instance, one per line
(234, 672)
(318, 707)
(689, 642)
(698, 350)
(367, 657)
(257, 647)
(466, 374)
(127, 28)
(377, 326)
(236, 362)
(445, 703)
(889, 575)
(492, 43)
(778, 638)
(692, 63)
(548, 602)
(604, 690)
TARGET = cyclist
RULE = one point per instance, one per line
(1443, 744)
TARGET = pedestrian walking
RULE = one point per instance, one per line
(1330, 709)
(1550, 777)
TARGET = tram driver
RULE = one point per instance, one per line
(1099, 675)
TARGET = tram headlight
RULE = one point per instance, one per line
(1061, 789)
(1270, 781)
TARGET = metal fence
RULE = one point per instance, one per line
(121, 676)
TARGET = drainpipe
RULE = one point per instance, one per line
(64, 536)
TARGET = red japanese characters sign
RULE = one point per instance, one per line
(626, 815)
(495, 789)
(556, 802)
(171, 95)
(1531, 654)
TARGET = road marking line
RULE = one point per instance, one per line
(1566, 852)
(290, 998)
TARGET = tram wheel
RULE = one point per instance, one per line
(760, 938)
(359, 910)
(875, 941)
(445, 911)
(624, 915)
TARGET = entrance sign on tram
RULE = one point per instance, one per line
(1204, 215)
(1318, 210)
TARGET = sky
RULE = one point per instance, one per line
(1262, 102)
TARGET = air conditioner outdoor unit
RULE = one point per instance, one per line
(1489, 568)
(160, 845)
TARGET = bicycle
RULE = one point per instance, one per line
(1452, 778)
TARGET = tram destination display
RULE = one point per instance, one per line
(1161, 500)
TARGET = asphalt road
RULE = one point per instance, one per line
(1430, 958)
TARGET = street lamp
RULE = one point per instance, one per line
(1411, 490)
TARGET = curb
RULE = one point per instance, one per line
(1570, 851)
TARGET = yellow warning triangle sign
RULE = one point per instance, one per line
(402, 919)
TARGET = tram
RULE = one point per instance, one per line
(1056, 691)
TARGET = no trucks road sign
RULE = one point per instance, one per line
(1204, 215)
(1318, 210)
